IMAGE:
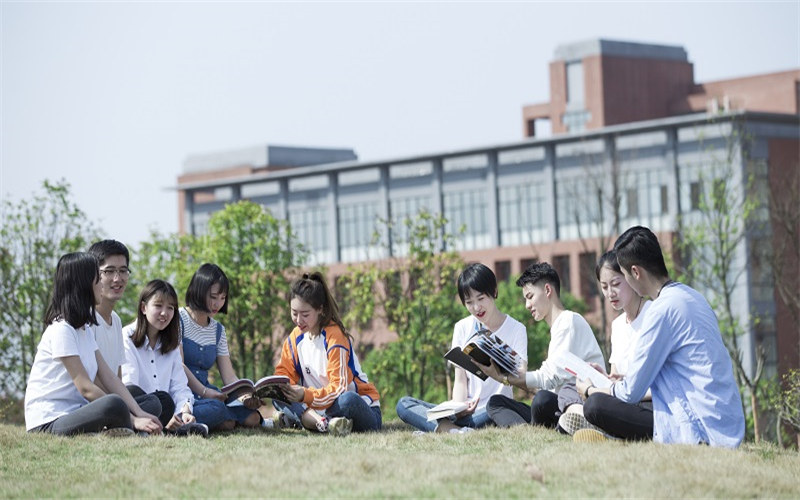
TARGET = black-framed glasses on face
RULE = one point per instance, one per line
(110, 272)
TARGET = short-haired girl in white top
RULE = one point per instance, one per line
(62, 397)
(153, 360)
(602, 412)
(477, 289)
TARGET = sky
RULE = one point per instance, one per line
(114, 96)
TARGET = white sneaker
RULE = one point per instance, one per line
(340, 426)
(573, 422)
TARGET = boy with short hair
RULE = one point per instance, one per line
(679, 355)
(113, 259)
(541, 288)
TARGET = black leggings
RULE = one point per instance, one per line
(107, 412)
(632, 422)
(158, 403)
(506, 412)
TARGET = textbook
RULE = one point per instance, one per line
(483, 347)
(446, 409)
(581, 369)
(266, 387)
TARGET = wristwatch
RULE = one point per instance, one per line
(505, 380)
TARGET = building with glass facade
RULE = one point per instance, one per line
(561, 198)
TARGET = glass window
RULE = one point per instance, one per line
(522, 213)
(310, 225)
(467, 209)
(357, 225)
(575, 87)
(561, 265)
(400, 210)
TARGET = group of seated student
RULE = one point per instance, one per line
(670, 379)
(90, 375)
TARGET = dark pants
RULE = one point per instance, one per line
(107, 412)
(620, 419)
(158, 403)
(506, 412)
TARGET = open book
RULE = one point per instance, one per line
(581, 369)
(446, 409)
(483, 347)
(266, 387)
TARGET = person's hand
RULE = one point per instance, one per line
(250, 401)
(148, 424)
(471, 406)
(293, 393)
(213, 394)
(180, 419)
(491, 370)
(581, 386)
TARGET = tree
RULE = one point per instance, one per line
(35, 233)
(254, 249)
(713, 245)
(416, 296)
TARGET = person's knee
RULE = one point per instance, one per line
(592, 407)
(403, 404)
(495, 402)
(114, 404)
(166, 401)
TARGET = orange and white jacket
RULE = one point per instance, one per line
(326, 366)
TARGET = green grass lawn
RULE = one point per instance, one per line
(522, 462)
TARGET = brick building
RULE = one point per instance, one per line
(626, 118)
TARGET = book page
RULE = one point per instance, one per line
(581, 369)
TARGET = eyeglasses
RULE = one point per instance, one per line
(109, 273)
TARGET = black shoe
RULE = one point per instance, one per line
(192, 429)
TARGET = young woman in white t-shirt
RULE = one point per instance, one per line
(602, 412)
(61, 396)
(477, 289)
(153, 360)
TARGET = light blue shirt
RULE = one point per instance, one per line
(680, 356)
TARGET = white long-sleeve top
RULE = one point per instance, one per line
(151, 370)
(569, 332)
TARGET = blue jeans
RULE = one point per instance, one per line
(348, 405)
(414, 412)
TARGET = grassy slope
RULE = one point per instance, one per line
(494, 463)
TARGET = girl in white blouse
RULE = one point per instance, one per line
(152, 358)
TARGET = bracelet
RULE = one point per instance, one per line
(586, 392)
(505, 380)
(204, 392)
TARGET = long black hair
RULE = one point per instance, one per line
(73, 297)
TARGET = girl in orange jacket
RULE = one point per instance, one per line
(328, 392)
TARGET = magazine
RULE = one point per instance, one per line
(446, 409)
(266, 387)
(484, 347)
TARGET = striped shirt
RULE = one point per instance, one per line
(203, 335)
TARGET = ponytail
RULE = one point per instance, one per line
(313, 290)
